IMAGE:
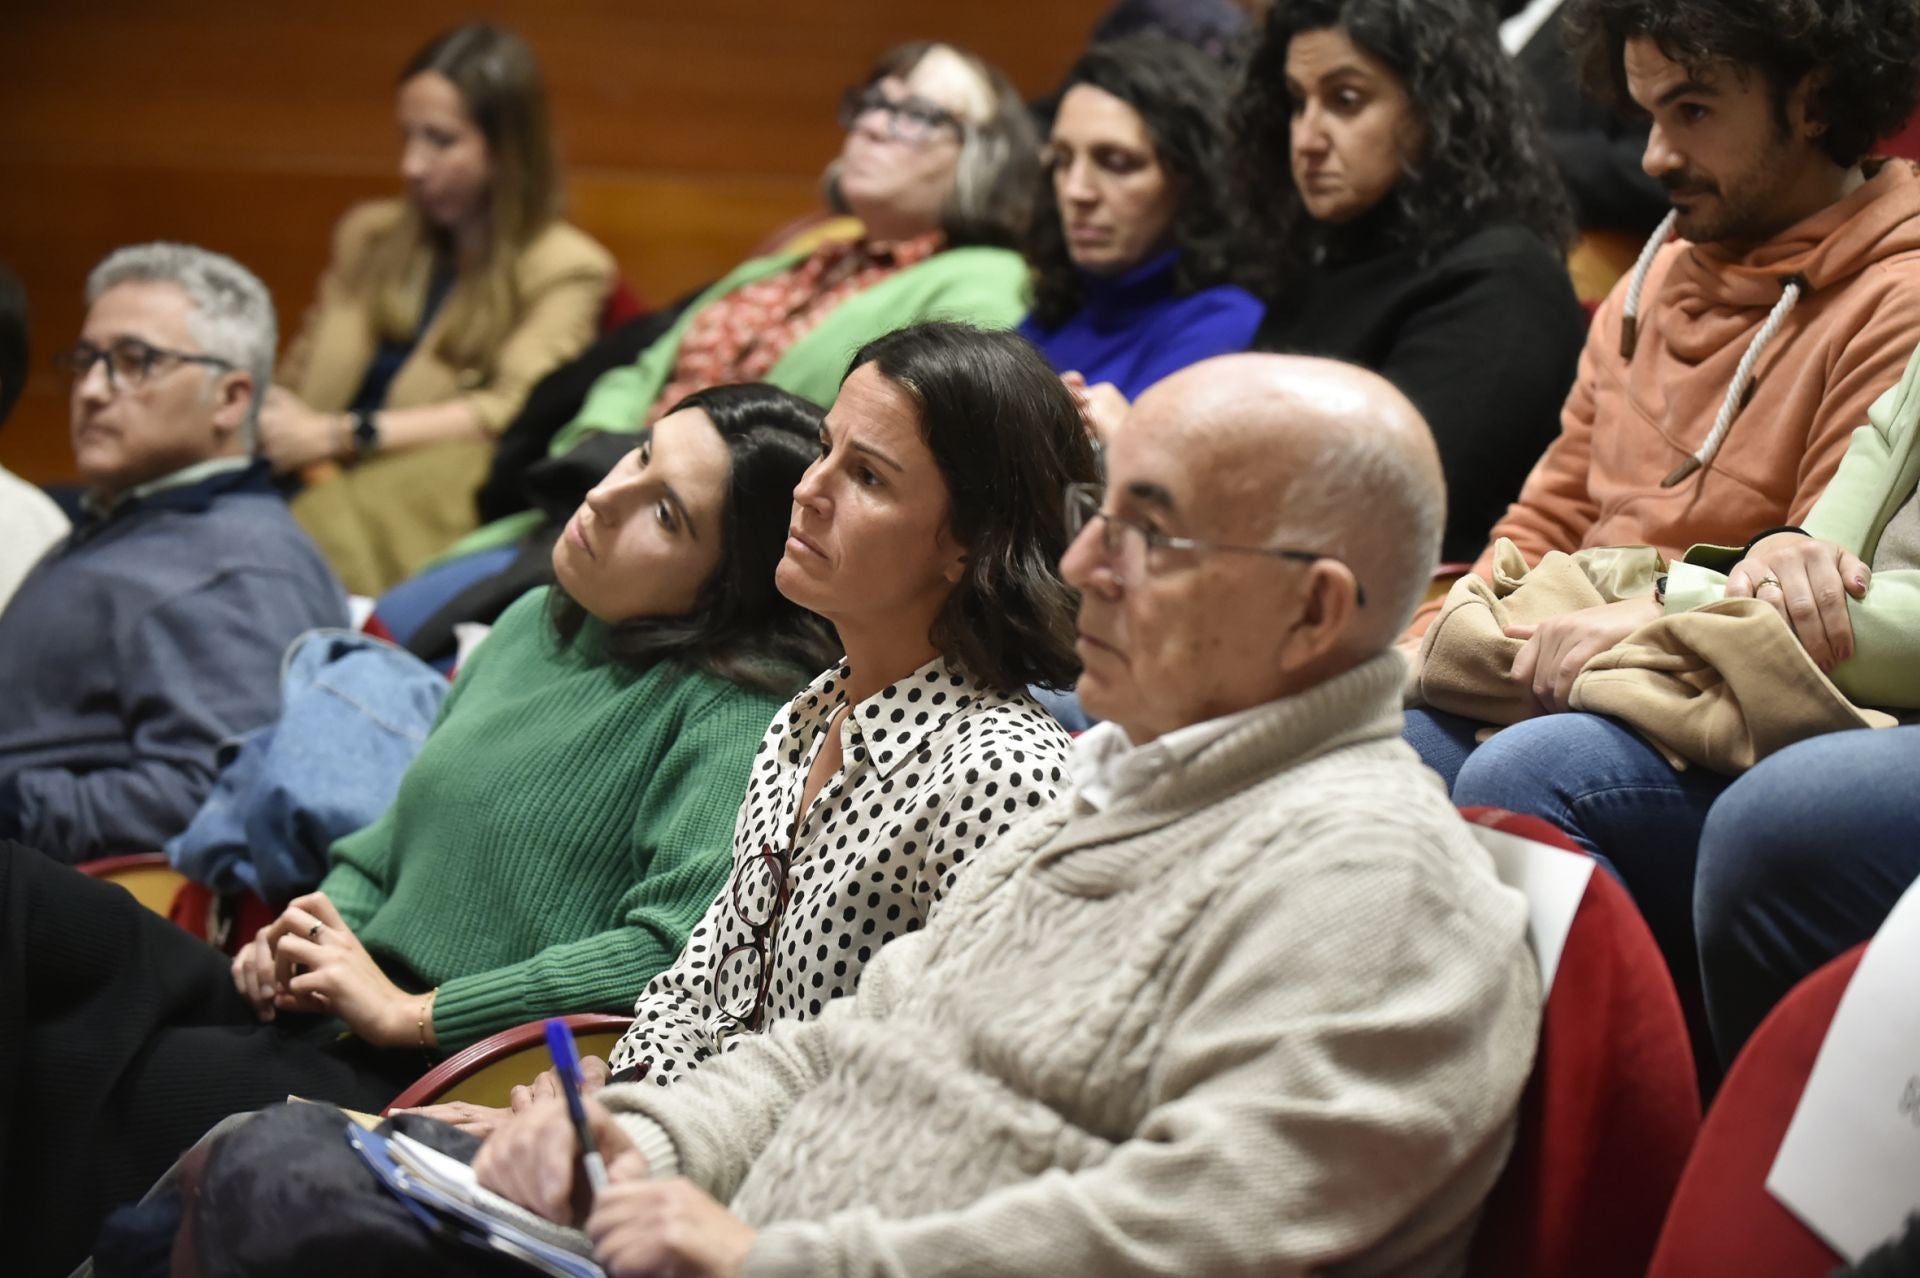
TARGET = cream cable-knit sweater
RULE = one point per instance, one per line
(1270, 1015)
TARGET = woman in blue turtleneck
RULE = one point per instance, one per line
(1132, 264)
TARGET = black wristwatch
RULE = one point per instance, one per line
(365, 433)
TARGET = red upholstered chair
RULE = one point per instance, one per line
(1906, 143)
(487, 1072)
(147, 875)
(1611, 1109)
(1723, 1220)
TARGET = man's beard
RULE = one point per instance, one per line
(1737, 213)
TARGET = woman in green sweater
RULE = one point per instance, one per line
(567, 823)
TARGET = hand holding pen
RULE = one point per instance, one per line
(566, 1064)
(534, 1157)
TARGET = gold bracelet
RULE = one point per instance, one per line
(426, 1009)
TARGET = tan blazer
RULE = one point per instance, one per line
(562, 282)
(380, 521)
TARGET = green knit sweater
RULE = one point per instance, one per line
(564, 827)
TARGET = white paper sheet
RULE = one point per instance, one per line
(1553, 881)
(1849, 1167)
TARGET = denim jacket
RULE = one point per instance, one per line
(355, 711)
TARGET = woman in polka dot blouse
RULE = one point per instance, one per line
(929, 533)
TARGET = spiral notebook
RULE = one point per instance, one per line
(443, 1194)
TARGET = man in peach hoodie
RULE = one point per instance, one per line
(1721, 380)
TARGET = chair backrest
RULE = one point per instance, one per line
(1611, 1108)
(1723, 1220)
(487, 1072)
(1905, 144)
(147, 875)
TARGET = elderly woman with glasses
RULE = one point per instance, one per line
(939, 165)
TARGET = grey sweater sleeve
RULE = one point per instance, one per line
(192, 670)
(710, 1125)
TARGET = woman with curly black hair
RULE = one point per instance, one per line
(1133, 266)
(1406, 216)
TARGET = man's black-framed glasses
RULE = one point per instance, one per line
(1083, 508)
(130, 361)
(909, 119)
(762, 879)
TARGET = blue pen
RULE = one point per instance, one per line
(566, 1063)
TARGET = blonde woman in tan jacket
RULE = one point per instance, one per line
(436, 315)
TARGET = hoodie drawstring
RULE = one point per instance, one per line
(1792, 288)
(1630, 323)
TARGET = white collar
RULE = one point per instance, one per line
(1106, 766)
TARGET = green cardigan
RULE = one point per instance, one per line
(1876, 478)
(979, 285)
(562, 830)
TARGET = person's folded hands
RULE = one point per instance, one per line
(253, 975)
(320, 966)
(1102, 406)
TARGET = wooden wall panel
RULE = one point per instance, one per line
(691, 128)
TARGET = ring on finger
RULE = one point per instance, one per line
(313, 933)
(1768, 580)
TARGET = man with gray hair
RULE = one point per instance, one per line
(1248, 999)
(156, 628)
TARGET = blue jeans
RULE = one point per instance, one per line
(1800, 861)
(1443, 741)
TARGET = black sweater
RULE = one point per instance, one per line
(1484, 340)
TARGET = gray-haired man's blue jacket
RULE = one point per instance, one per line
(135, 646)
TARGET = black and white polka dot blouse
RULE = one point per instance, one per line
(935, 767)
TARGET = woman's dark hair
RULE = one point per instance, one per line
(740, 627)
(1483, 160)
(1866, 50)
(999, 164)
(1181, 96)
(1008, 439)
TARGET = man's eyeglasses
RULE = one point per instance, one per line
(1121, 537)
(130, 361)
(910, 119)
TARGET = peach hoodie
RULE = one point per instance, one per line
(1631, 421)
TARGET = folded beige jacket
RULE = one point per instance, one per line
(1723, 686)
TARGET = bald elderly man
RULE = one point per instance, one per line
(1248, 999)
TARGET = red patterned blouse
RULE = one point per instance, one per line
(740, 337)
